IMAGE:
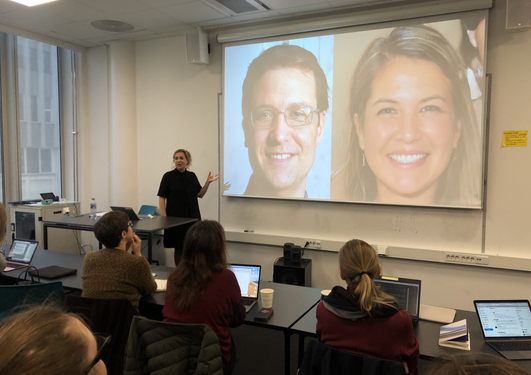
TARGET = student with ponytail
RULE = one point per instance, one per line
(361, 318)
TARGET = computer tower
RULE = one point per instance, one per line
(295, 273)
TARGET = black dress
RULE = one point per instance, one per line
(180, 190)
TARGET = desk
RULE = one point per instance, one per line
(290, 303)
(427, 334)
(144, 226)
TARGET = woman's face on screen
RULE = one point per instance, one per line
(409, 131)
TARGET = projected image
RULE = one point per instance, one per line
(278, 145)
(407, 125)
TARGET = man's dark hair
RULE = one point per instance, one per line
(284, 56)
(108, 230)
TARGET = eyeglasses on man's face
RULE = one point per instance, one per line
(265, 117)
(130, 224)
(101, 341)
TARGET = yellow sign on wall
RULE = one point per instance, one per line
(516, 138)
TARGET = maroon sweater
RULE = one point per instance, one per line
(387, 337)
(220, 307)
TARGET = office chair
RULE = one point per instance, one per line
(322, 359)
(110, 316)
(147, 210)
(16, 297)
(170, 348)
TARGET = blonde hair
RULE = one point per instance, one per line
(42, 340)
(359, 266)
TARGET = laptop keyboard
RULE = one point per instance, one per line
(511, 346)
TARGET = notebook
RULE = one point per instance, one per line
(506, 326)
(53, 272)
(406, 292)
(128, 211)
(248, 277)
(20, 254)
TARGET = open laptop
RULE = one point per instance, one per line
(406, 292)
(20, 254)
(248, 277)
(506, 326)
(128, 211)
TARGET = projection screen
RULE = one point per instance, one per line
(386, 114)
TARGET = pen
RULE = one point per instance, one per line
(249, 231)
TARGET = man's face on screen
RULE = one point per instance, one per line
(281, 155)
(410, 131)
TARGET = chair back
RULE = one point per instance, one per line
(322, 359)
(16, 297)
(109, 316)
(172, 349)
(147, 210)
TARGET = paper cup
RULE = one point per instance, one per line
(267, 298)
(325, 292)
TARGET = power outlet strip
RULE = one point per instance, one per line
(314, 244)
(463, 258)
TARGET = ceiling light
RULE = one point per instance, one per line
(32, 3)
(113, 26)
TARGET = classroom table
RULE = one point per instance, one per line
(427, 334)
(290, 302)
(144, 226)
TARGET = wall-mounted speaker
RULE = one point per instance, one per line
(518, 16)
(197, 47)
(295, 273)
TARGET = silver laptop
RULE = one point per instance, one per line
(20, 254)
(406, 292)
(248, 277)
(129, 212)
(506, 326)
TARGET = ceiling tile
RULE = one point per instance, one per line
(255, 16)
(172, 29)
(54, 34)
(75, 11)
(163, 3)
(192, 12)
(116, 7)
(9, 6)
(342, 3)
(79, 31)
(29, 20)
(219, 21)
(305, 8)
(150, 18)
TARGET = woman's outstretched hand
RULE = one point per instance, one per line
(213, 178)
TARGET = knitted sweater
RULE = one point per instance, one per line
(114, 273)
(387, 334)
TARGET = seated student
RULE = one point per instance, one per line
(3, 223)
(113, 272)
(47, 341)
(475, 364)
(362, 319)
(202, 290)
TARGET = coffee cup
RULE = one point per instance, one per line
(267, 298)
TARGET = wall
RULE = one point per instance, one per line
(177, 106)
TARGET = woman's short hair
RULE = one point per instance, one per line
(187, 155)
(475, 364)
(359, 266)
(460, 183)
(108, 229)
(204, 252)
(3, 223)
(42, 340)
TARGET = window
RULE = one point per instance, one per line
(40, 152)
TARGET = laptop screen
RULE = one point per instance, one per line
(248, 277)
(406, 292)
(22, 251)
(504, 319)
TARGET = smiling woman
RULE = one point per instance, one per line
(414, 136)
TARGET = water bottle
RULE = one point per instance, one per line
(93, 208)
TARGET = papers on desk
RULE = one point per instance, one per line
(455, 335)
(161, 285)
(100, 214)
